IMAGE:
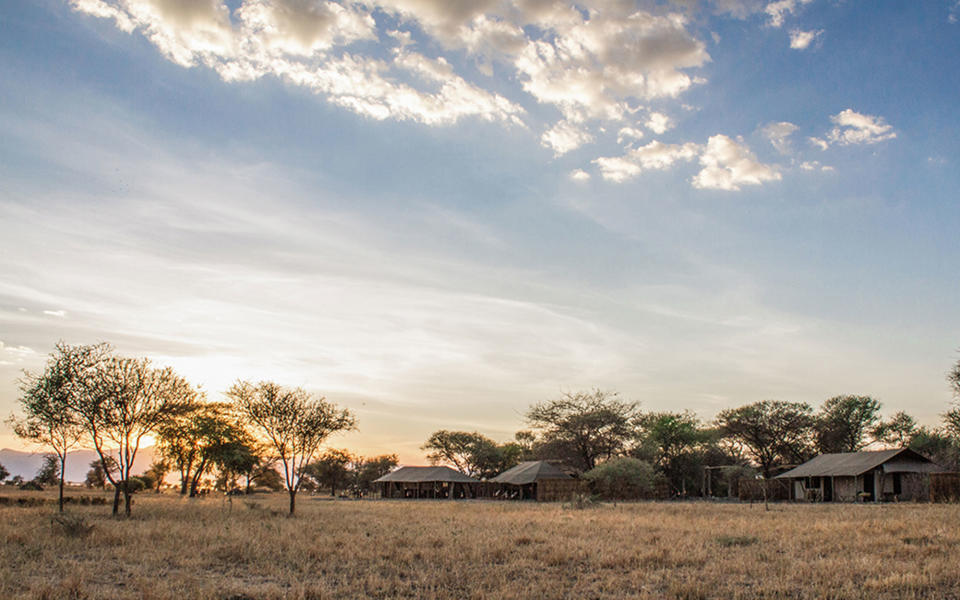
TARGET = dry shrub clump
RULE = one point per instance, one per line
(209, 549)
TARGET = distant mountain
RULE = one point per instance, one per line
(26, 464)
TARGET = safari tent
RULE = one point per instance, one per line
(427, 482)
(534, 480)
(878, 476)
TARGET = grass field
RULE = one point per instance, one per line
(209, 549)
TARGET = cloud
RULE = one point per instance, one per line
(592, 62)
(12, 355)
(801, 40)
(778, 11)
(16, 351)
(56, 313)
(855, 128)
(779, 134)
(814, 165)
(727, 165)
(629, 133)
(819, 142)
(659, 123)
(564, 137)
(307, 44)
(654, 156)
(579, 175)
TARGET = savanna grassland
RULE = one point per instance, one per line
(249, 549)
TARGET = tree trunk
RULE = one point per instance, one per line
(116, 498)
(293, 501)
(63, 470)
(184, 481)
(126, 499)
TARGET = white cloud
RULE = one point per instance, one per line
(654, 156)
(778, 11)
(659, 123)
(819, 142)
(801, 40)
(592, 61)
(579, 175)
(629, 133)
(300, 27)
(307, 44)
(855, 128)
(814, 165)
(56, 313)
(564, 137)
(779, 135)
(12, 355)
(727, 165)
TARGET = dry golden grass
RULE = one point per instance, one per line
(206, 549)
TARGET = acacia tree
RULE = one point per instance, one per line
(124, 400)
(472, 453)
(48, 400)
(293, 423)
(199, 438)
(843, 423)
(331, 469)
(771, 431)
(673, 441)
(157, 472)
(897, 431)
(951, 418)
(590, 426)
(367, 470)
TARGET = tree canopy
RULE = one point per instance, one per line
(471, 453)
(844, 422)
(293, 422)
(590, 425)
(49, 402)
(124, 400)
(772, 432)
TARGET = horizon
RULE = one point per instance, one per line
(437, 214)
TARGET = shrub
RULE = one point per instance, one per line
(622, 479)
(72, 525)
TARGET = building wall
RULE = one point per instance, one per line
(557, 490)
(846, 489)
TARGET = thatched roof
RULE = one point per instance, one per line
(851, 464)
(529, 472)
(426, 474)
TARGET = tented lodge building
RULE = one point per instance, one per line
(533, 480)
(428, 482)
(878, 476)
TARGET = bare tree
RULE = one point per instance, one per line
(293, 423)
(48, 401)
(124, 400)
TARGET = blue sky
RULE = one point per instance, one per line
(438, 212)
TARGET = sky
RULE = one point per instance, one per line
(438, 212)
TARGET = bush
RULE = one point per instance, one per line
(622, 479)
(31, 486)
(72, 525)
